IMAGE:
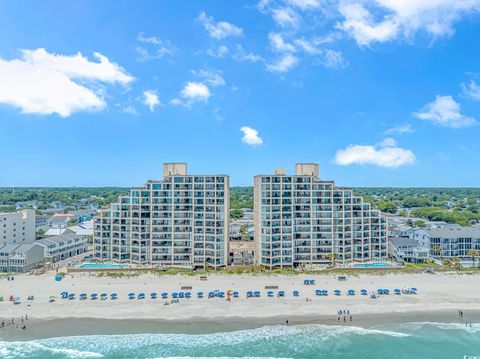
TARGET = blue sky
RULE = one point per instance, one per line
(378, 92)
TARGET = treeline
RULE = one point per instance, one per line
(67, 195)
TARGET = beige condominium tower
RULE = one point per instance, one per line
(179, 221)
(301, 220)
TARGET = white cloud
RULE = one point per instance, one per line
(218, 30)
(445, 111)
(400, 129)
(385, 154)
(242, 55)
(305, 4)
(192, 92)
(150, 99)
(385, 20)
(308, 46)
(285, 17)
(284, 64)
(219, 52)
(45, 83)
(250, 136)
(278, 43)
(130, 110)
(156, 48)
(471, 90)
(333, 59)
(211, 77)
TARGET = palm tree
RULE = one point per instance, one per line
(437, 249)
(473, 253)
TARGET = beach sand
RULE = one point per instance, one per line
(439, 298)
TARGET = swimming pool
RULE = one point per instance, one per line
(372, 265)
(469, 264)
(103, 266)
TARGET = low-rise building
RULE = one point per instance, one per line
(58, 248)
(21, 258)
(241, 253)
(450, 241)
(407, 250)
(60, 220)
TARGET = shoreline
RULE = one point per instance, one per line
(440, 297)
(84, 326)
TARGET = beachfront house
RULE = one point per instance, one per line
(407, 250)
(58, 248)
(21, 258)
(449, 241)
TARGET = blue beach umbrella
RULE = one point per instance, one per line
(93, 296)
(64, 294)
(318, 292)
(211, 294)
(221, 294)
(71, 296)
(141, 296)
(380, 291)
(153, 295)
(351, 292)
(181, 295)
(249, 293)
(256, 293)
(235, 294)
(296, 293)
(83, 295)
(113, 296)
(397, 291)
(199, 294)
(270, 293)
(386, 291)
(324, 292)
(131, 295)
(337, 292)
(281, 293)
(174, 295)
(363, 291)
(164, 295)
(188, 295)
(306, 282)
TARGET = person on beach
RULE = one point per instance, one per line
(338, 319)
(344, 319)
(350, 317)
(286, 322)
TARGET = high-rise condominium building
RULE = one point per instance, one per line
(302, 220)
(181, 220)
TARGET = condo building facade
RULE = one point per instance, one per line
(300, 220)
(179, 221)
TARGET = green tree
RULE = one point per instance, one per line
(236, 213)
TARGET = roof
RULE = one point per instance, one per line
(58, 239)
(25, 247)
(8, 248)
(55, 231)
(57, 219)
(453, 232)
(403, 242)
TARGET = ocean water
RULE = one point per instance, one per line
(412, 340)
